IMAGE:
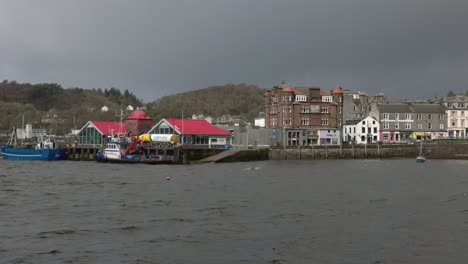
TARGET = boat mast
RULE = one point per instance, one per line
(22, 132)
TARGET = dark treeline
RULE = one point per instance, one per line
(68, 107)
(236, 100)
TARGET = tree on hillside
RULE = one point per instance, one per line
(450, 94)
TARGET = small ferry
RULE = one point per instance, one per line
(124, 152)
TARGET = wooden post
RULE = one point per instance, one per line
(354, 153)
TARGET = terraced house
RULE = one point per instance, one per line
(407, 122)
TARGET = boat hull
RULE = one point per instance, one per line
(10, 153)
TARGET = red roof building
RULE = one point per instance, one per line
(138, 122)
(97, 132)
(197, 132)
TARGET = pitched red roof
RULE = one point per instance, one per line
(288, 89)
(324, 93)
(196, 127)
(337, 90)
(109, 127)
(138, 114)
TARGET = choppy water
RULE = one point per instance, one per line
(366, 211)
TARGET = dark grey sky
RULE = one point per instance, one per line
(405, 48)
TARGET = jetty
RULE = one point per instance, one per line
(220, 156)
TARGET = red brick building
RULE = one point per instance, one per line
(138, 122)
(301, 111)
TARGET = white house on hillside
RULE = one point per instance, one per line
(363, 131)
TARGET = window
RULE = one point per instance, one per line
(373, 122)
(324, 109)
(354, 108)
(286, 121)
(462, 113)
(430, 125)
(287, 108)
(408, 116)
(301, 98)
(441, 117)
(324, 122)
(363, 130)
(305, 109)
(408, 125)
(386, 125)
(397, 116)
(442, 126)
(375, 130)
(386, 116)
(418, 116)
(463, 122)
(429, 116)
(419, 126)
(454, 113)
(397, 125)
(449, 104)
(339, 109)
(304, 121)
(454, 122)
(363, 122)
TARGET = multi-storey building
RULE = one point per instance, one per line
(404, 122)
(430, 121)
(301, 113)
(353, 106)
(456, 108)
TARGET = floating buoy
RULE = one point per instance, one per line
(168, 178)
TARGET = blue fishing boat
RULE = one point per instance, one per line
(44, 150)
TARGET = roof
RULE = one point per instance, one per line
(428, 108)
(394, 108)
(138, 114)
(108, 127)
(352, 122)
(337, 90)
(324, 93)
(195, 127)
(288, 89)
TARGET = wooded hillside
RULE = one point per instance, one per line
(237, 100)
(60, 107)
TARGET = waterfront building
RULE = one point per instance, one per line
(96, 133)
(355, 106)
(329, 136)
(430, 121)
(361, 131)
(396, 122)
(138, 122)
(456, 108)
(194, 133)
(300, 112)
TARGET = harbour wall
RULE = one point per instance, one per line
(374, 151)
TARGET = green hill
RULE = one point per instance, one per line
(237, 100)
(49, 105)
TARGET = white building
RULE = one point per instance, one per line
(29, 132)
(361, 131)
(456, 108)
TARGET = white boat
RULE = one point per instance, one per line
(420, 158)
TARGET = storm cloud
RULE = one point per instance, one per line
(404, 48)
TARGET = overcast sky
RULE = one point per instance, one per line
(405, 48)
